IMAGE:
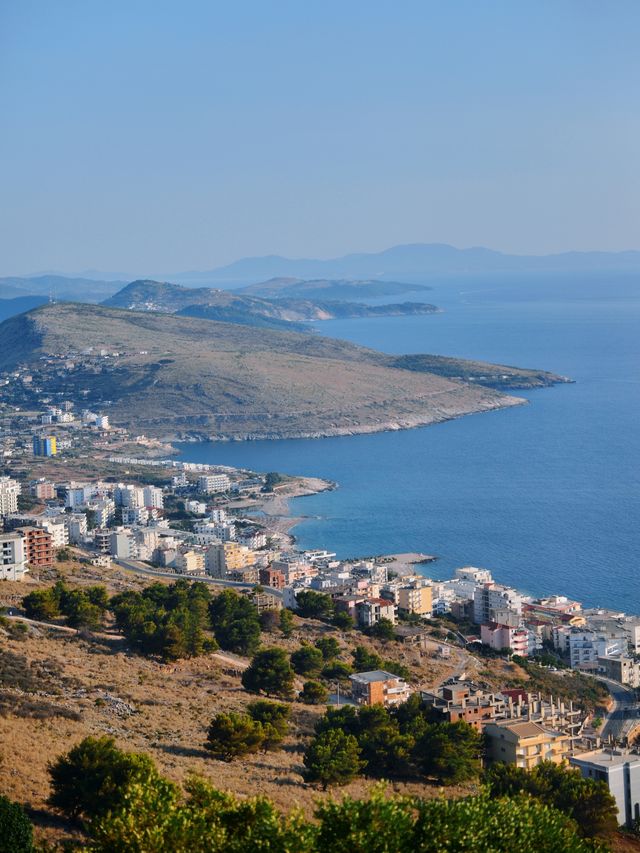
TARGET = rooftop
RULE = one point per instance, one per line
(607, 757)
(374, 675)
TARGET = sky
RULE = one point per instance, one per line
(150, 136)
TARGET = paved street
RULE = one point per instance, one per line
(623, 717)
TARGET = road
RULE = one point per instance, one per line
(142, 569)
(623, 717)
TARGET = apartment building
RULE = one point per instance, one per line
(189, 562)
(491, 597)
(370, 610)
(378, 688)
(153, 497)
(525, 744)
(9, 491)
(211, 484)
(463, 701)
(13, 561)
(45, 445)
(415, 598)
(38, 546)
(501, 637)
(43, 490)
(272, 578)
(223, 557)
(619, 769)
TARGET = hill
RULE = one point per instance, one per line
(178, 376)
(330, 289)
(19, 304)
(234, 307)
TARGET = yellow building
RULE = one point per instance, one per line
(223, 557)
(416, 599)
(525, 744)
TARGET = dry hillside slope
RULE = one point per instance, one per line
(170, 376)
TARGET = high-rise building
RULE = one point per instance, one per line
(9, 491)
(45, 445)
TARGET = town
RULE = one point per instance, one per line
(205, 523)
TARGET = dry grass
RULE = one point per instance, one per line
(164, 709)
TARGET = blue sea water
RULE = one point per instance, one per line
(545, 495)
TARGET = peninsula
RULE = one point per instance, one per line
(182, 377)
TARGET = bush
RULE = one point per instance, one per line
(586, 801)
(169, 621)
(286, 622)
(94, 777)
(329, 647)
(337, 671)
(273, 717)
(450, 752)
(333, 758)
(236, 623)
(311, 604)
(231, 735)
(269, 672)
(343, 621)
(383, 629)
(313, 693)
(16, 832)
(364, 660)
(307, 660)
(42, 604)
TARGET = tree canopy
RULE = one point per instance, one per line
(269, 672)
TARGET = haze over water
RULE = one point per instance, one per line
(545, 495)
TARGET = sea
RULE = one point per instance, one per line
(546, 495)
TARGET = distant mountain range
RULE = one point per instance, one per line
(412, 262)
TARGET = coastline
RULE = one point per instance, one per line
(276, 510)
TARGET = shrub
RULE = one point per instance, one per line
(273, 717)
(313, 693)
(232, 735)
(269, 672)
(16, 832)
(364, 660)
(94, 777)
(307, 660)
(333, 758)
(329, 647)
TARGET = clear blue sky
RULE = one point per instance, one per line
(153, 136)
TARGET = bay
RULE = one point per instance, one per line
(546, 495)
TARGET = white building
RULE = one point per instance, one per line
(77, 495)
(122, 545)
(153, 497)
(489, 598)
(58, 530)
(13, 562)
(128, 495)
(77, 526)
(196, 507)
(620, 771)
(9, 491)
(135, 515)
(210, 484)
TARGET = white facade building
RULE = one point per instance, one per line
(210, 484)
(9, 491)
(13, 562)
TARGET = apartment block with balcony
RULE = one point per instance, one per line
(38, 546)
(525, 744)
(13, 561)
(9, 491)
